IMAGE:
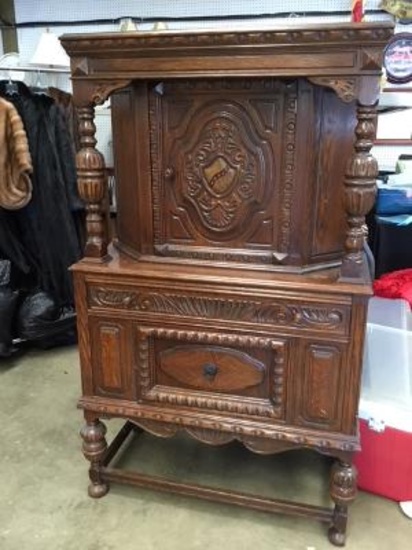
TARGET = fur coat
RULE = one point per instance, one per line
(15, 159)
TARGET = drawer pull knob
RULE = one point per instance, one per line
(210, 370)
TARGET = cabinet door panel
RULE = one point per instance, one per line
(321, 378)
(111, 358)
(217, 150)
(335, 142)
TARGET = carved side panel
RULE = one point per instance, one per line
(336, 123)
(111, 358)
(207, 373)
(131, 161)
(217, 150)
(321, 380)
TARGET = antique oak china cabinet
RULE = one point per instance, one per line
(232, 304)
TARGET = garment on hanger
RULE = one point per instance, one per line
(15, 159)
(65, 101)
(46, 227)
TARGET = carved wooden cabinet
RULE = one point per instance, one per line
(232, 304)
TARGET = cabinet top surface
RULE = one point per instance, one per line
(291, 50)
(290, 35)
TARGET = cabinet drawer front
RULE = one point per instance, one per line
(211, 368)
(284, 313)
(239, 374)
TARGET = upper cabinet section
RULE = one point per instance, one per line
(228, 144)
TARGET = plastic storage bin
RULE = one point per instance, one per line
(393, 200)
(385, 411)
(387, 365)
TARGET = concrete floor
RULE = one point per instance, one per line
(43, 479)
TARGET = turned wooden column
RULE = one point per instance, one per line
(94, 448)
(360, 179)
(343, 492)
(92, 185)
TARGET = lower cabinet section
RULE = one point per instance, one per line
(210, 371)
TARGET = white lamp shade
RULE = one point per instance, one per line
(49, 52)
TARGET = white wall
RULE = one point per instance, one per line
(79, 10)
(29, 10)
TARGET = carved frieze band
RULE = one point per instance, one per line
(264, 313)
(345, 88)
(288, 167)
(320, 37)
(319, 441)
(232, 404)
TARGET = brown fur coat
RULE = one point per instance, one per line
(15, 159)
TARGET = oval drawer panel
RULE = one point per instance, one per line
(212, 368)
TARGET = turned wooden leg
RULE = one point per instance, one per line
(94, 448)
(343, 492)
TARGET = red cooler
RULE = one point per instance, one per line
(385, 461)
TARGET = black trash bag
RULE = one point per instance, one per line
(36, 309)
(5, 269)
(8, 305)
(40, 318)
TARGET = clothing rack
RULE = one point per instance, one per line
(37, 69)
(40, 288)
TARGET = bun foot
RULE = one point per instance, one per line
(97, 490)
(335, 537)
